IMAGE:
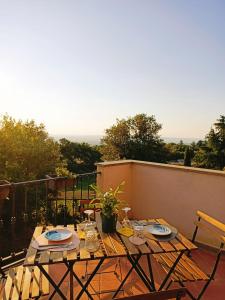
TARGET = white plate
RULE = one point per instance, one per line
(158, 229)
(58, 234)
(38, 243)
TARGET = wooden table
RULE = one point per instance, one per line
(111, 246)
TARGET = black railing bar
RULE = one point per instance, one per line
(45, 179)
(13, 255)
(39, 180)
(87, 174)
(36, 202)
(32, 181)
(88, 188)
(56, 210)
(25, 200)
(46, 199)
(65, 204)
(13, 216)
(81, 187)
(5, 185)
(73, 198)
(13, 264)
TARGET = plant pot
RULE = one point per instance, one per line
(4, 190)
(109, 223)
(59, 183)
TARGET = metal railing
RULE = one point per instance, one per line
(53, 200)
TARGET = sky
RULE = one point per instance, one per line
(77, 66)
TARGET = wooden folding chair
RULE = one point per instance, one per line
(187, 269)
(24, 283)
(163, 295)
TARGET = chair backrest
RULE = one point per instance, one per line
(213, 227)
(162, 295)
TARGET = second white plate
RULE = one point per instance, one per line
(158, 229)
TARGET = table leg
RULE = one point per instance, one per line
(141, 274)
(135, 266)
(73, 274)
(71, 280)
(55, 286)
(60, 282)
(151, 271)
(84, 287)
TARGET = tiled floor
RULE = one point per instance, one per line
(105, 282)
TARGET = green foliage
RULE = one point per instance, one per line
(175, 151)
(26, 150)
(108, 202)
(64, 172)
(211, 153)
(134, 138)
(79, 157)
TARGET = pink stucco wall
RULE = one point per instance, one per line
(171, 192)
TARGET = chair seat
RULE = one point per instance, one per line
(25, 283)
(186, 269)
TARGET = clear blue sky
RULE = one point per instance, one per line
(76, 66)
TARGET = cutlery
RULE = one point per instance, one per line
(145, 223)
(56, 245)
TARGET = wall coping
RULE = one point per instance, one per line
(160, 165)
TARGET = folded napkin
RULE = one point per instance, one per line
(126, 231)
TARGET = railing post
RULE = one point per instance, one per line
(65, 202)
(13, 214)
(25, 215)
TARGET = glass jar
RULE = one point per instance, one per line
(91, 240)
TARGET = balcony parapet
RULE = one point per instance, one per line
(160, 165)
(172, 192)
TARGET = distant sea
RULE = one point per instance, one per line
(95, 139)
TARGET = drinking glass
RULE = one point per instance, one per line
(138, 231)
(88, 222)
(126, 221)
(91, 240)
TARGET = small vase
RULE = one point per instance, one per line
(109, 223)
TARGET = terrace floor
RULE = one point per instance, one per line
(108, 281)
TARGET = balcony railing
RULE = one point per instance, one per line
(53, 200)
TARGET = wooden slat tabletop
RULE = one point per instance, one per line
(111, 245)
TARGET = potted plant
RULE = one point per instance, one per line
(109, 203)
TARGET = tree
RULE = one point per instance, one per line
(212, 153)
(175, 151)
(26, 150)
(187, 157)
(79, 157)
(134, 138)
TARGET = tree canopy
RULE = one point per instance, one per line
(79, 157)
(211, 153)
(26, 150)
(134, 138)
